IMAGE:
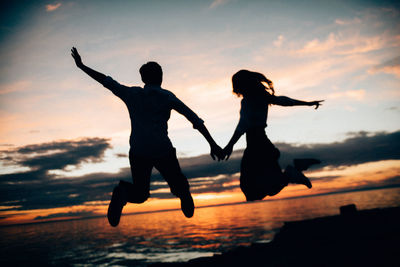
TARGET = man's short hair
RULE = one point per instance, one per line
(151, 73)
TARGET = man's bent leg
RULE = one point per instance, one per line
(118, 201)
(139, 190)
(171, 171)
(136, 192)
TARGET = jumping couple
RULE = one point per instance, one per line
(150, 108)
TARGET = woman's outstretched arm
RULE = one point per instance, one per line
(287, 101)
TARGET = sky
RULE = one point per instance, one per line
(64, 137)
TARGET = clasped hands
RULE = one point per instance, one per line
(221, 154)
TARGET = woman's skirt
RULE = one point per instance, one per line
(260, 173)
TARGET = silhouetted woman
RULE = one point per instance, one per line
(261, 174)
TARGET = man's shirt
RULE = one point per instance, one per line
(150, 109)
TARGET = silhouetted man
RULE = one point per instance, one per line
(149, 109)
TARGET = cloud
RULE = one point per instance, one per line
(76, 214)
(391, 66)
(348, 43)
(52, 7)
(18, 86)
(278, 42)
(57, 155)
(394, 108)
(49, 192)
(217, 3)
(38, 189)
(352, 94)
(348, 21)
(334, 53)
(360, 147)
(371, 30)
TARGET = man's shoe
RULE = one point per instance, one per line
(297, 177)
(304, 164)
(187, 205)
(115, 208)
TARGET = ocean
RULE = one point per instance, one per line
(168, 236)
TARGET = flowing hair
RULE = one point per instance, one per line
(246, 82)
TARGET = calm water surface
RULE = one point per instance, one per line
(169, 236)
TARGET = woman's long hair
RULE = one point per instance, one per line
(246, 82)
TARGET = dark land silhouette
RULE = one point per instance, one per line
(353, 238)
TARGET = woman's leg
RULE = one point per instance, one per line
(261, 174)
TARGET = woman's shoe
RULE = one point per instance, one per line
(296, 176)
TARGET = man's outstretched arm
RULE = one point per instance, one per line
(100, 77)
(216, 150)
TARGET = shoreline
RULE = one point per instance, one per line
(353, 238)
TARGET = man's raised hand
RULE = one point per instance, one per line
(77, 57)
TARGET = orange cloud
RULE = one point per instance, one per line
(39, 215)
(348, 21)
(347, 44)
(278, 42)
(50, 7)
(217, 3)
(18, 86)
(372, 174)
(392, 70)
(391, 67)
(352, 94)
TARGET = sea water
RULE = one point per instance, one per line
(169, 236)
